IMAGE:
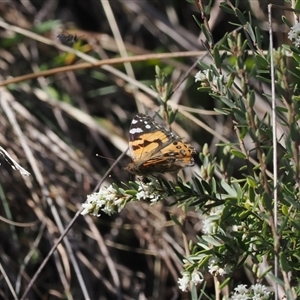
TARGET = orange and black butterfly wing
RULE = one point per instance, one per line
(155, 149)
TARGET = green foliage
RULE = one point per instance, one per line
(244, 226)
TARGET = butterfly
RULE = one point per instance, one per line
(154, 149)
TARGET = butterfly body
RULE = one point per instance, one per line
(67, 38)
(154, 149)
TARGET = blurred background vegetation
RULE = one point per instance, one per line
(55, 125)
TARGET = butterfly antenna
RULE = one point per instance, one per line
(107, 158)
(110, 169)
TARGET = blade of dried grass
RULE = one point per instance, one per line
(29, 255)
(120, 44)
(106, 254)
(83, 118)
(102, 63)
(6, 278)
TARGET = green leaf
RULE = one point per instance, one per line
(283, 225)
(203, 246)
(275, 279)
(282, 109)
(251, 194)
(175, 220)
(286, 47)
(207, 34)
(211, 240)
(258, 36)
(251, 32)
(217, 57)
(196, 20)
(223, 112)
(283, 261)
(267, 201)
(206, 187)
(251, 182)
(194, 295)
(240, 115)
(297, 5)
(296, 225)
(204, 89)
(172, 116)
(214, 185)
(292, 201)
(286, 21)
(264, 79)
(225, 7)
(131, 192)
(238, 154)
(223, 42)
(240, 16)
(269, 156)
(285, 209)
(295, 50)
(251, 98)
(296, 57)
(226, 101)
(228, 188)
(261, 62)
(224, 283)
(294, 129)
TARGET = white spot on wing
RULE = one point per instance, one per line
(134, 121)
(135, 130)
(147, 126)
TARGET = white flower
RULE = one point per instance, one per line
(227, 269)
(241, 289)
(294, 34)
(209, 226)
(215, 269)
(212, 269)
(255, 292)
(148, 191)
(88, 208)
(184, 281)
(201, 76)
(197, 277)
(108, 199)
(260, 290)
(141, 195)
(222, 272)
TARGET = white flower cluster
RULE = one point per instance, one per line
(149, 191)
(294, 35)
(210, 223)
(112, 199)
(108, 200)
(215, 269)
(256, 292)
(195, 277)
